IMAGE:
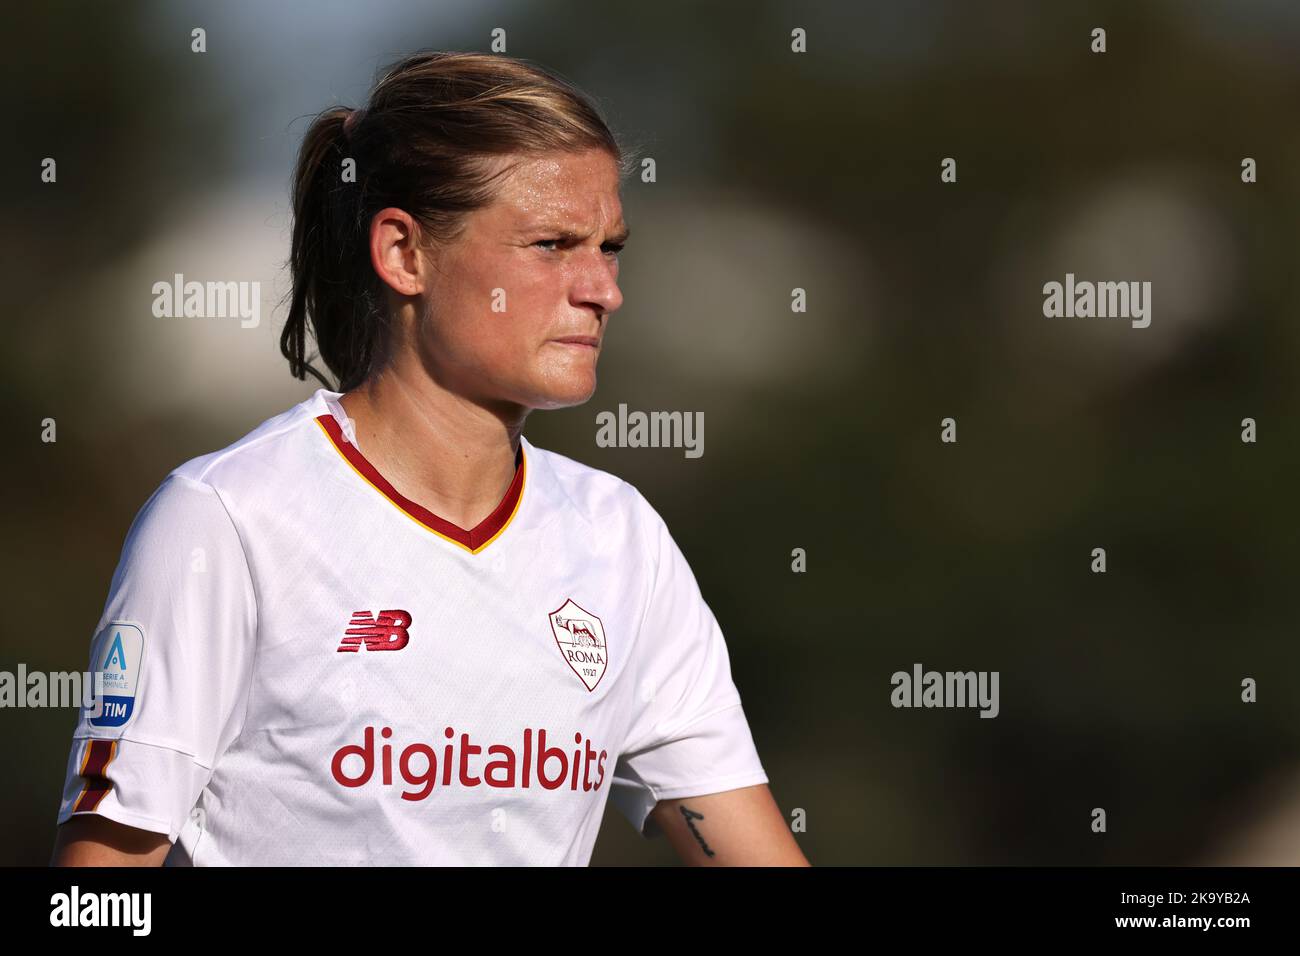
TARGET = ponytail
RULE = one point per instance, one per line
(330, 289)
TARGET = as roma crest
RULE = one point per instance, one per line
(581, 638)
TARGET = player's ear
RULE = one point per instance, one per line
(399, 257)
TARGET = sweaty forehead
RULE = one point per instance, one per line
(561, 189)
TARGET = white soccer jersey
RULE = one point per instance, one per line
(304, 667)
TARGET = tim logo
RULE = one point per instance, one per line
(388, 633)
(581, 638)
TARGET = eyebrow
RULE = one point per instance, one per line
(568, 234)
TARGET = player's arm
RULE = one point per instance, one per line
(179, 631)
(741, 827)
(88, 839)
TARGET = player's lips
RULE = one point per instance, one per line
(584, 341)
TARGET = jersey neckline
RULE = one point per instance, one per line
(473, 539)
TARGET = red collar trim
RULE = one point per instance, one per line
(475, 539)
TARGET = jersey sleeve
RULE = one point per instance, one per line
(689, 735)
(174, 646)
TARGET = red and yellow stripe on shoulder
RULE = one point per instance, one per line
(94, 767)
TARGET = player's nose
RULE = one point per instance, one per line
(596, 285)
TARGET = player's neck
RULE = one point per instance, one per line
(452, 456)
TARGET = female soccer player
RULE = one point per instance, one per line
(383, 627)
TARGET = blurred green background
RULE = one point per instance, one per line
(775, 171)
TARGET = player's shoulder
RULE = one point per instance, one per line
(261, 456)
(199, 493)
(599, 497)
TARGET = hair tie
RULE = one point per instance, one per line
(350, 123)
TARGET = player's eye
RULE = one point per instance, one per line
(609, 248)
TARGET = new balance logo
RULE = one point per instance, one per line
(388, 633)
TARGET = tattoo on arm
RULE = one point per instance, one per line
(691, 816)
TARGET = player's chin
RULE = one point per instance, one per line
(564, 387)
